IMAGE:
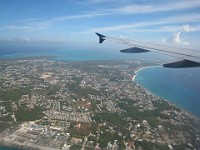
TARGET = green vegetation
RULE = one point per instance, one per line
(161, 105)
(128, 101)
(25, 114)
(39, 91)
(83, 131)
(150, 146)
(75, 147)
(133, 111)
(88, 148)
(93, 104)
(112, 118)
(86, 91)
(91, 138)
(14, 95)
(74, 87)
(110, 137)
(6, 118)
(52, 89)
(4, 125)
(8, 107)
(181, 147)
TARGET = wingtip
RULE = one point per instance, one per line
(99, 34)
(101, 37)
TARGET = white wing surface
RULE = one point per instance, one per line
(190, 57)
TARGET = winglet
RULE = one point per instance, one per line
(101, 37)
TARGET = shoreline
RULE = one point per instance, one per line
(139, 69)
(166, 100)
(30, 135)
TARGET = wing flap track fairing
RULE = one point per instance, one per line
(182, 64)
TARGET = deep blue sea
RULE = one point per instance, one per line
(179, 86)
(9, 148)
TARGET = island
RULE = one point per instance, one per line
(48, 104)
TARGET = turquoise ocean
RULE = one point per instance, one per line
(179, 86)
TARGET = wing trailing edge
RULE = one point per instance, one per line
(190, 57)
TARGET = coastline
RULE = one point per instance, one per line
(30, 136)
(141, 68)
(164, 99)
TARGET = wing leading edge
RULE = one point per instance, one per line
(190, 57)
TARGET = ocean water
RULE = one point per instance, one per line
(9, 148)
(179, 86)
(75, 54)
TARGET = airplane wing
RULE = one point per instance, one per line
(189, 57)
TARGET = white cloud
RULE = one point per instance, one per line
(27, 39)
(163, 21)
(97, 1)
(81, 16)
(106, 2)
(27, 20)
(164, 40)
(149, 8)
(186, 43)
(33, 24)
(175, 39)
(183, 28)
(123, 37)
(30, 26)
(131, 7)
(168, 28)
(188, 28)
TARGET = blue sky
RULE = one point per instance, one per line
(75, 21)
